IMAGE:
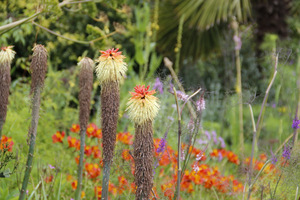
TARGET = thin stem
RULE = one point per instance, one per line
(252, 150)
(178, 45)
(77, 41)
(32, 137)
(297, 190)
(80, 166)
(169, 65)
(8, 27)
(279, 179)
(266, 97)
(239, 92)
(179, 146)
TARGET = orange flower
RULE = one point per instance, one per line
(125, 138)
(74, 185)
(112, 189)
(58, 137)
(96, 152)
(233, 158)
(75, 128)
(98, 192)
(91, 130)
(6, 143)
(82, 194)
(49, 179)
(98, 133)
(73, 142)
(126, 155)
(88, 150)
(69, 177)
(93, 170)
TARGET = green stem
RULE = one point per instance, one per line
(80, 166)
(178, 45)
(105, 183)
(239, 88)
(260, 117)
(179, 147)
(32, 137)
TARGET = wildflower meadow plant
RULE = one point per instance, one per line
(6, 57)
(38, 68)
(110, 71)
(142, 108)
(86, 86)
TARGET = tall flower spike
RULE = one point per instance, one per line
(110, 72)
(6, 57)
(38, 68)
(111, 66)
(142, 106)
(85, 86)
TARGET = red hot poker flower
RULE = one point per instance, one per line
(140, 92)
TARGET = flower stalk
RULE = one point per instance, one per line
(142, 108)
(239, 92)
(6, 57)
(38, 68)
(86, 86)
(110, 71)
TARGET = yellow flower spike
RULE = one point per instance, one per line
(142, 106)
(111, 66)
(7, 55)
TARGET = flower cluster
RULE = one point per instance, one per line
(222, 153)
(6, 143)
(142, 106)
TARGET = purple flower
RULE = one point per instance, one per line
(274, 105)
(238, 42)
(27, 192)
(191, 125)
(222, 142)
(207, 135)
(158, 85)
(295, 124)
(182, 154)
(273, 158)
(286, 152)
(170, 118)
(214, 135)
(162, 143)
(220, 156)
(180, 95)
(200, 104)
(202, 141)
(51, 167)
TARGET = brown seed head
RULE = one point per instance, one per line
(85, 85)
(38, 66)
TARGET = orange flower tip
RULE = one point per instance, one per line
(111, 66)
(7, 54)
(142, 106)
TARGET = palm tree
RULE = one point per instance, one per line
(204, 23)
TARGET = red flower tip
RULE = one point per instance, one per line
(141, 91)
(111, 53)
